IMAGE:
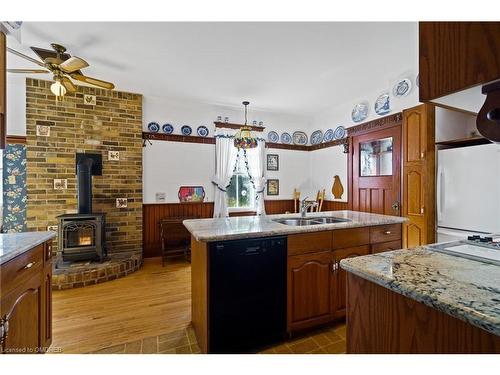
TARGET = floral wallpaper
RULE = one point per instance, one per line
(14, 188)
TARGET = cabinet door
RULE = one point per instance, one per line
(339, 279)
(418, 176)
(309, 294)
(22, 309)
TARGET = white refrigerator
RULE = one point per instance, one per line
(468, 192)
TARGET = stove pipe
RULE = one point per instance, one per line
(84, 181)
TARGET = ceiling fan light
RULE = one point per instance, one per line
(58, 89)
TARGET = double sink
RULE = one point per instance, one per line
(299, 222)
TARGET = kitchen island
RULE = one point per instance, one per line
(25, 292)
(422, 301)
(256, 279)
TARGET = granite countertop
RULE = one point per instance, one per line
(263, 226)
(466, 289)
(14, 244)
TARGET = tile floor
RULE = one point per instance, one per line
(326, 340)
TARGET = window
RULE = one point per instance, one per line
(376, 157)
(240, 193)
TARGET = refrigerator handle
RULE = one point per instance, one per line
(440, 193)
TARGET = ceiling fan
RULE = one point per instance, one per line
(63, 66)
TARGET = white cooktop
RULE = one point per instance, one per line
(489, 253)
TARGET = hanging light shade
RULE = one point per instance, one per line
(244, 139)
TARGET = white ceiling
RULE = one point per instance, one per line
(298, 68)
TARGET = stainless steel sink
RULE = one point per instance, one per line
(310, 221)
(330, 220)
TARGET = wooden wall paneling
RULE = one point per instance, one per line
(419, 175)
(380, 321)
(454, 56)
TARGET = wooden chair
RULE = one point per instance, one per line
(296, 200)
(175, 239)
(320, 197)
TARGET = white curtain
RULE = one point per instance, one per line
(256, 159)
(225, 160)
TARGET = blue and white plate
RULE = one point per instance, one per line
(286, 138)
(382, 104)
(153, 127)
(339, 132)
(328, 136)
(360, 112)
(316, 137)
(417, 80)
(402, 88)
(273, 137)
(202, 131)
(167, 128)
(186, 130)
(299, 138)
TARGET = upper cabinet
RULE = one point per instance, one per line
(3, 89)
(455, 56)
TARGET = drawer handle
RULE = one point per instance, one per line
(387, 232)
(28, 266)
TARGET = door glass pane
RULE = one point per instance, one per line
(376, 157)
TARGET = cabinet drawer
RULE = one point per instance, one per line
(385, 233)
(309, 242)
(385, 246)
(351, 237)
(21, 268)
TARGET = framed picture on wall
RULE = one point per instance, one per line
(273, 162)
(273, 187)
(188, 194)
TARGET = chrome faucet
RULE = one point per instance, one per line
(304, 206)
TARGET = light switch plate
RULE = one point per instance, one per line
(161, 197)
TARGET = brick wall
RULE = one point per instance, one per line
(113, 124)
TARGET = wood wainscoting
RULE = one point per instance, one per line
(154, 212)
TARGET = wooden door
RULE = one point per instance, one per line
(3, 89)
(339, 279)
(22, 309)
(309, 283)
(418, 176)
(376, 171)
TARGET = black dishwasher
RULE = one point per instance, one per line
(247, 307)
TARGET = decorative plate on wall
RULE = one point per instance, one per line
(339, 132)
(202, 131)
(186, 130)
(273, 137)
(402, 88)
(153, 127)
(360, 112)
(382, 104)
(316, 137)
(167, 128)
(328, 136)
(286, 138)
(299, 138)
(417, 80)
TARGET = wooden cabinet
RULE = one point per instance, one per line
(309, 290)
(3, 89)
(339, 279)
(419, 175)
(26, 302)
(454, 56)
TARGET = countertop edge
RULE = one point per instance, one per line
(451, 310)
(44, 236)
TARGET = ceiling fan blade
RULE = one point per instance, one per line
(73, 64)
(27, 71)
(22, 55)
(66, 82)
(93, 81)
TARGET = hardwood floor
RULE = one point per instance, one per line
(149, 311)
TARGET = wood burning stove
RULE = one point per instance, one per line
(82, 235)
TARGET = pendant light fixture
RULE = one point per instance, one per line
(244, 139)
